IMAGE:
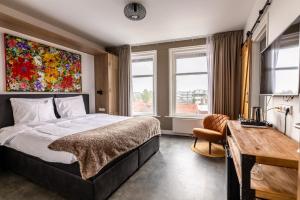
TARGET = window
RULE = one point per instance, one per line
(189, 81)
(143, 65)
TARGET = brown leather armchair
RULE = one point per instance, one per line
(213, 131)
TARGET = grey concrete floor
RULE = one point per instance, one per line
(174, 173)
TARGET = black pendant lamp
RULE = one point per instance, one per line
(135, 11)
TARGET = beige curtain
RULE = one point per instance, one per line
(246, 63)
(124, 53)
(226, 95)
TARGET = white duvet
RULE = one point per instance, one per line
(34, 138)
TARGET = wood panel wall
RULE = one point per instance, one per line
(101, 81)
(26, 28)
(113, 84)
(107, 81)
(298, 177)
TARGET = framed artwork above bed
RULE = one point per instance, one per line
(35, 67)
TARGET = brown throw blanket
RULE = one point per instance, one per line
(96, 148)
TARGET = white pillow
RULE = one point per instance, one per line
(70, 106)
(32, 110)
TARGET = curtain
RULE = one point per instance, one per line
(124, 53)
(210, 53)
(246, 64)
(226, 93)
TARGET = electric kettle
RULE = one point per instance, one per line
(257, 114)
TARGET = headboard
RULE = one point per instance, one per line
(6, 114)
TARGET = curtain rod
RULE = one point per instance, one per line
(260, 14)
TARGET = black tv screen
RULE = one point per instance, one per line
(280, 64)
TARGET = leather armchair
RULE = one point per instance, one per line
(213, 131)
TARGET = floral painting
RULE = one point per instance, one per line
(35, 67)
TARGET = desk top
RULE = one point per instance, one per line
(268, 146)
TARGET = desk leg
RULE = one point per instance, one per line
(247, 162)
(233, 185)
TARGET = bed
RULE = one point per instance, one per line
(65, 178)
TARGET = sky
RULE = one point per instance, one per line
(183, 83)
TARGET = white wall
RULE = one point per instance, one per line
(278, 118)
(279, 16)
(87, 64)
(185, 126)
(253, 15)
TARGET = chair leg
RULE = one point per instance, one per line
(196, 139)
(224, 144)
(209, 150)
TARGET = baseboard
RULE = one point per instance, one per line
(170, 132)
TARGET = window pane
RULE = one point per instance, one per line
(142, 67)
(142, 95)
(191, 94)
(191, 64)
(286, 81)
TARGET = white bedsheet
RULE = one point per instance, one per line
(34, 138)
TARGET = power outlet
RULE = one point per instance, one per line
(283, 108)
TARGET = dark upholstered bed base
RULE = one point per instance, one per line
(65, 179)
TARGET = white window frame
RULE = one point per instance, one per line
(140, 55)
(173, 52)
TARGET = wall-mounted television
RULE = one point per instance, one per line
(280, 64)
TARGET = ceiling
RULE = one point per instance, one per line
(103, 21)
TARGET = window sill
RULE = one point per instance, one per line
(188, 117)
(145, 115)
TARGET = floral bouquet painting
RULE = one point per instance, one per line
(35, 67)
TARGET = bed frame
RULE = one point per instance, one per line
(65, 179)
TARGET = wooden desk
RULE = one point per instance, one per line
(277, 155)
